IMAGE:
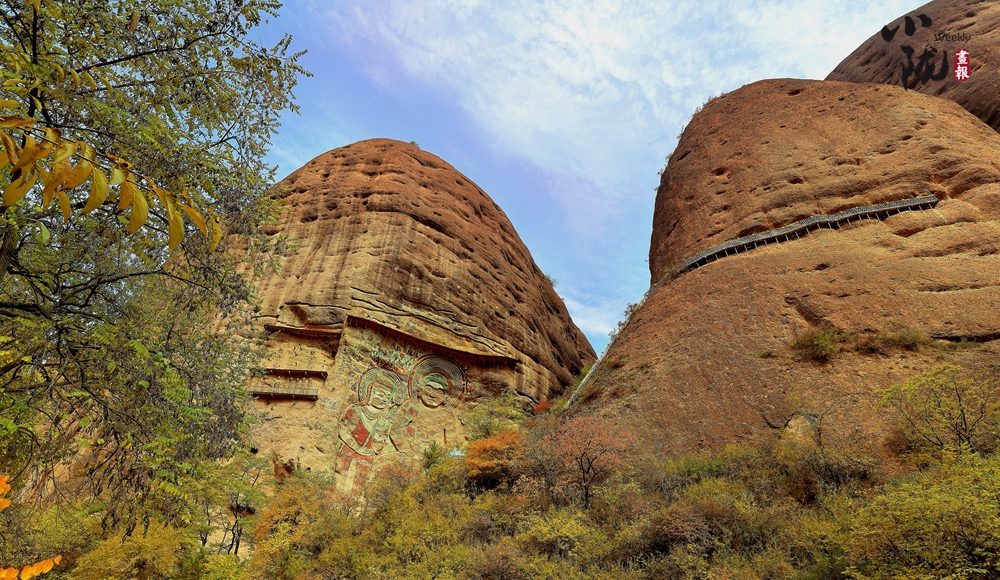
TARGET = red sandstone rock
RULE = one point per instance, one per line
(383, 227)
(407, 296)
(689, 364)
(878, 61)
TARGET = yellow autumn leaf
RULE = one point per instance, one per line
(4, 503)
(176, 229)
(52, 137)
(163, 195)
(133, 23)
(78, 175)
(98, 191)
(87, 152)
(64, 205)
(126, 195)
(14, 122)
(27, 153)
(140, 211)
(16, 189)
(75, 78)
(9, 103)
(11, 150)
(216, 233)
(55, 178)
(64, 150)
(36, 150)
(90, 80)
(107, 83)
(117, 176)
(195, 217)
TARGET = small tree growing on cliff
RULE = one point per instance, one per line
(940, 409)
(581, 453)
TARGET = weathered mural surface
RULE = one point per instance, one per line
(400, 413)
(382, 399)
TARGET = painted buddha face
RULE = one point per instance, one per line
(434, 390)
(381, 392)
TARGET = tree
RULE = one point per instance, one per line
(109, 361)
(581, 453)
(940, 523)
(940, 409)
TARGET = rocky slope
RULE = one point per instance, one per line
(406, 297)
(707, 359)
(973, 25)
(383, 226)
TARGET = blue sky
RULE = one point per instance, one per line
(563, 112)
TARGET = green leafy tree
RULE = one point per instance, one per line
(109, 363)
(941, 523)
(940, 409)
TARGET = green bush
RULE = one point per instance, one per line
(941, 523)
(819, 344)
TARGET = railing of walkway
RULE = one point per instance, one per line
(777, 235)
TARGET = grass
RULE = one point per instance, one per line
(822, 343)
(819, 344)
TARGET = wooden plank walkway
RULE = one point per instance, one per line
(296, 373)
(803, 227)
(303, 332)
(284, 392)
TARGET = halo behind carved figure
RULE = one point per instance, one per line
(437, 381)
(371, 376)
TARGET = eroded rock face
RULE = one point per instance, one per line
(407, 296)
(708, 358)
(777, 151)
(973, 25)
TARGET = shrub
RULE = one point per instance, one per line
(434, 454)
(496, 461)
(501, 561)
(941, 410)
(819, 344)
(494, 415)
(909, 339)
(944, 522)
(157, 553)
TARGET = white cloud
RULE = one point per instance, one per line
(595, 317)
(592, 94)
(583, 86)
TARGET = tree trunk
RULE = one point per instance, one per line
(7, 246)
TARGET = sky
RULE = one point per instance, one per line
(564, 112)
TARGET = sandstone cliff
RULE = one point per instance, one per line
(690, 363)
(406, 296)
(973, 25)
(386, 227)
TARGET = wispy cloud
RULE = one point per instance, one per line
(582, 86)
(592, 94)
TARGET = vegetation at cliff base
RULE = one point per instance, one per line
(563, 497)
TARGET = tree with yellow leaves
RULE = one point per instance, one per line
(131, 129)
(31, 570)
